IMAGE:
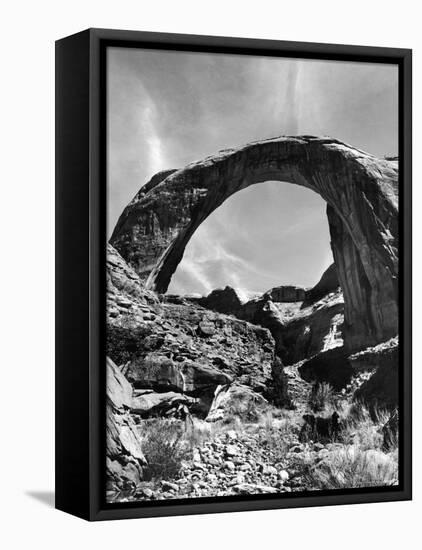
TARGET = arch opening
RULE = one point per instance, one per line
(268, 235)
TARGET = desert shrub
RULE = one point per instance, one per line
(196, 432)
(390, 432)
(321, 397)
(245, 408)
(129, 286)
(277, 446)
(363, 427)
(165, 448)
(350, 467)
(230, 423)
(277, 435)
(126, 341)
(321, 429)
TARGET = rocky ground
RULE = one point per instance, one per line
(200, 403)
(261, 458)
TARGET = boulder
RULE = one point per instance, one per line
(222, 300)
(161, 404)
(286, 294)
(206, 328)
(234, 400)
(159, 372)
(253, 489)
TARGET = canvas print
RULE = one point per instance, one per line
(252, 276)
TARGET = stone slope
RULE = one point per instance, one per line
(181, 347)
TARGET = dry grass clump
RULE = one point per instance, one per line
(278, 431)
(244, 408)
(364, 428)
(196, 431)
(165, 448)
(359, 458)
(321, 397)
(352, 467)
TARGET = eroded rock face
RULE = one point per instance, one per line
(326, 285)
(361, 192)
(223, 300)
(181, 347)
(312, 330)
(381, 389)
(124, 456)
(286, 294)
(332, 366)
(300, 328)
(376, 369)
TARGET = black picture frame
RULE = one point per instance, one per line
(80, 270)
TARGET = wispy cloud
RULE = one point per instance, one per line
(148, 122)
(290, 106)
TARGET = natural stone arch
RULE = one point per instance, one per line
(362, 209)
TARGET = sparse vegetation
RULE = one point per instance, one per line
(278, 436)
(352, 467)
(165, 447)
(358, 458)
(321, 397)
(363, 427)
(244, 408)
(127, 285)
(196, 432)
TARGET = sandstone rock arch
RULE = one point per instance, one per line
(361, 192)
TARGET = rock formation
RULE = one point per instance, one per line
(286, 294)
(222, 300)
(326, 285)
(381, 388)
(302, 322)
(371, 375)
(125, 459)
(361, 193)
(180, 347)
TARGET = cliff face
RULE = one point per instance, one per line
(361, 193)
(180, 346)
(125, 459)
(302, 322)
(328, 283)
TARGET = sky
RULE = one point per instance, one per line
(167, 109)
